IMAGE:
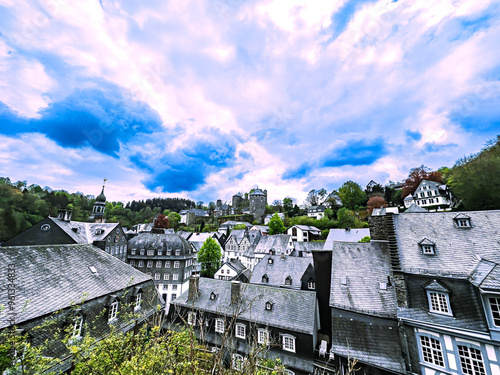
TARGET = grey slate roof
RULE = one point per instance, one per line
(239, 234)
(292, 309)
(415, 208)
(308, 228)
(200, 237)
(342, 235)
(236, 265)
(486, 275)
(51, 277)
(278, 242)
(85, 232)
(280, 269)
(168, 241)
(457, 250)
(184, 234)
(308, 246)
(364, 266)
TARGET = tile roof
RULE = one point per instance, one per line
(52, 277)
(363, 266)
(292, 309)
(342, 235)
(280, 269)
(82, 232)
(457, 250)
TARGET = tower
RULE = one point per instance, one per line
(97, 215)
(258, 201)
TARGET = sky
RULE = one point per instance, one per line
(205, 99)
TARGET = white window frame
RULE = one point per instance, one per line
(237, 362)
(138, 300)
(191, 320)
(157, 276)
(175, 276)
(240, 331)
(168, 264)
(440, 296)
(113, 311)
(311, 285)
(77, 326)
(431, 351)
(463, 222)
(166, 276)
(177, 252)
(177, 264)
(428, 249)
(472, 363)
(263, 336)
(496, 311)
(219, 325)
(151, 252)
(141, 263)
(149, 264)
(158, 263)
(288, 343)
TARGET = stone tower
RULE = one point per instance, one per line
(257, 201)
(97, 215)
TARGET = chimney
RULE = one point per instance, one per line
(193, 291)
(282, 256)
(235, 292)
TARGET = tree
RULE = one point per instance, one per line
(352, 195)
(288, 206)
(346, 218)
(375, 202)
(312, 198)
(416, 176)
(210, 257)
(276, 225)
(240, 226)
(174, 219)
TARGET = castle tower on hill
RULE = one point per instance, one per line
(97, 215)
(257, 203)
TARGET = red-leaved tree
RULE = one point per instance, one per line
(375, 202)
(416, 176)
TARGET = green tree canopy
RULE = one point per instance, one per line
(210, 257)
(352, 195)
(276, 225)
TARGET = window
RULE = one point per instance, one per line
(495, 310)
(174, 287)
(213, 296)
(428, 249)
(431, 351)
(269, 305)
(160, 251)
(288, 343)
(265, 279)
(288, 280)
(77, 326)
(237, 362)
(343, 281)
(167, 264)
(151, 252)
(219, 325)
(438, 302)
(141, 263)
(138, 300)
(176, 264)
(240, 331)
(157, 276)
(113, 310)
(311, 285)
(132, 263)
(142, 251)
(175, 276)
(177, 252)
(463, 223)
(174, 296)
(471, 360)
(169, 252)
(270, 261)
(133, 251)
(150, 264)
(45, 227)
(166, 276)
(263, 336)
(192, 318)
(158, 263)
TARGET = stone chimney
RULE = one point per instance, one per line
(193, 291)
(235, 292)
(282, 256)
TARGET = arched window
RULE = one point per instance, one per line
(288, 280)
(265, 279)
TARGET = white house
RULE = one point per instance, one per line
(430, 194)
(316, 212)
(304, 233)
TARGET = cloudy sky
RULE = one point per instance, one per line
(203, 99)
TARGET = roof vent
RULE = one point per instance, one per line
(92, 269)
(76, 230)
(270, 261)
(343, 280)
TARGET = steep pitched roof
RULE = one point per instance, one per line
(292, 309)
(457, 250)
(307, 228)
(308, 246)
(52, 277)
(342, 235)
(280, 269)
(82, 232)
(415, 208)
(357, 272)
(277, 242)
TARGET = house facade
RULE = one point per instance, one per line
(246, 319)
(304, 233)
(431, 194)
(316, 212)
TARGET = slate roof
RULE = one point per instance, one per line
(342, 235)
(486, 275)
(280, 269)
(415, 208)
(292, 309)
(184, 234)
(308, 246)
(157, 240)
(239, 234)
(257, 192)
(200, 237)
(277, 242)
(51, 277)
(262, 228)
(457, 250)
(364, 266)
(307, 228)
(232, 223)
(85, 232)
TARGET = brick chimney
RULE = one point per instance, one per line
(235, 292)
(193, 291)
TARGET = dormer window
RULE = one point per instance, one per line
(439, 298)
(265, 279)
(288, 280)
(269, 305)
(45, 227)
(428, 247)
(213, 296)
(311, 284)
(270, 261)
(77, 326)
(462, 221)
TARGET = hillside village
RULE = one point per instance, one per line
(411, 288)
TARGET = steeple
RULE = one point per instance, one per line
(99, 207)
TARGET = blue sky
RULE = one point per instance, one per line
(205, 99)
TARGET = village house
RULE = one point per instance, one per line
(238, 242)
(248, 318)
(304, 233)
(76, 288)
(233, 270)
(431, 194)
(275, 244)
(316, 212)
